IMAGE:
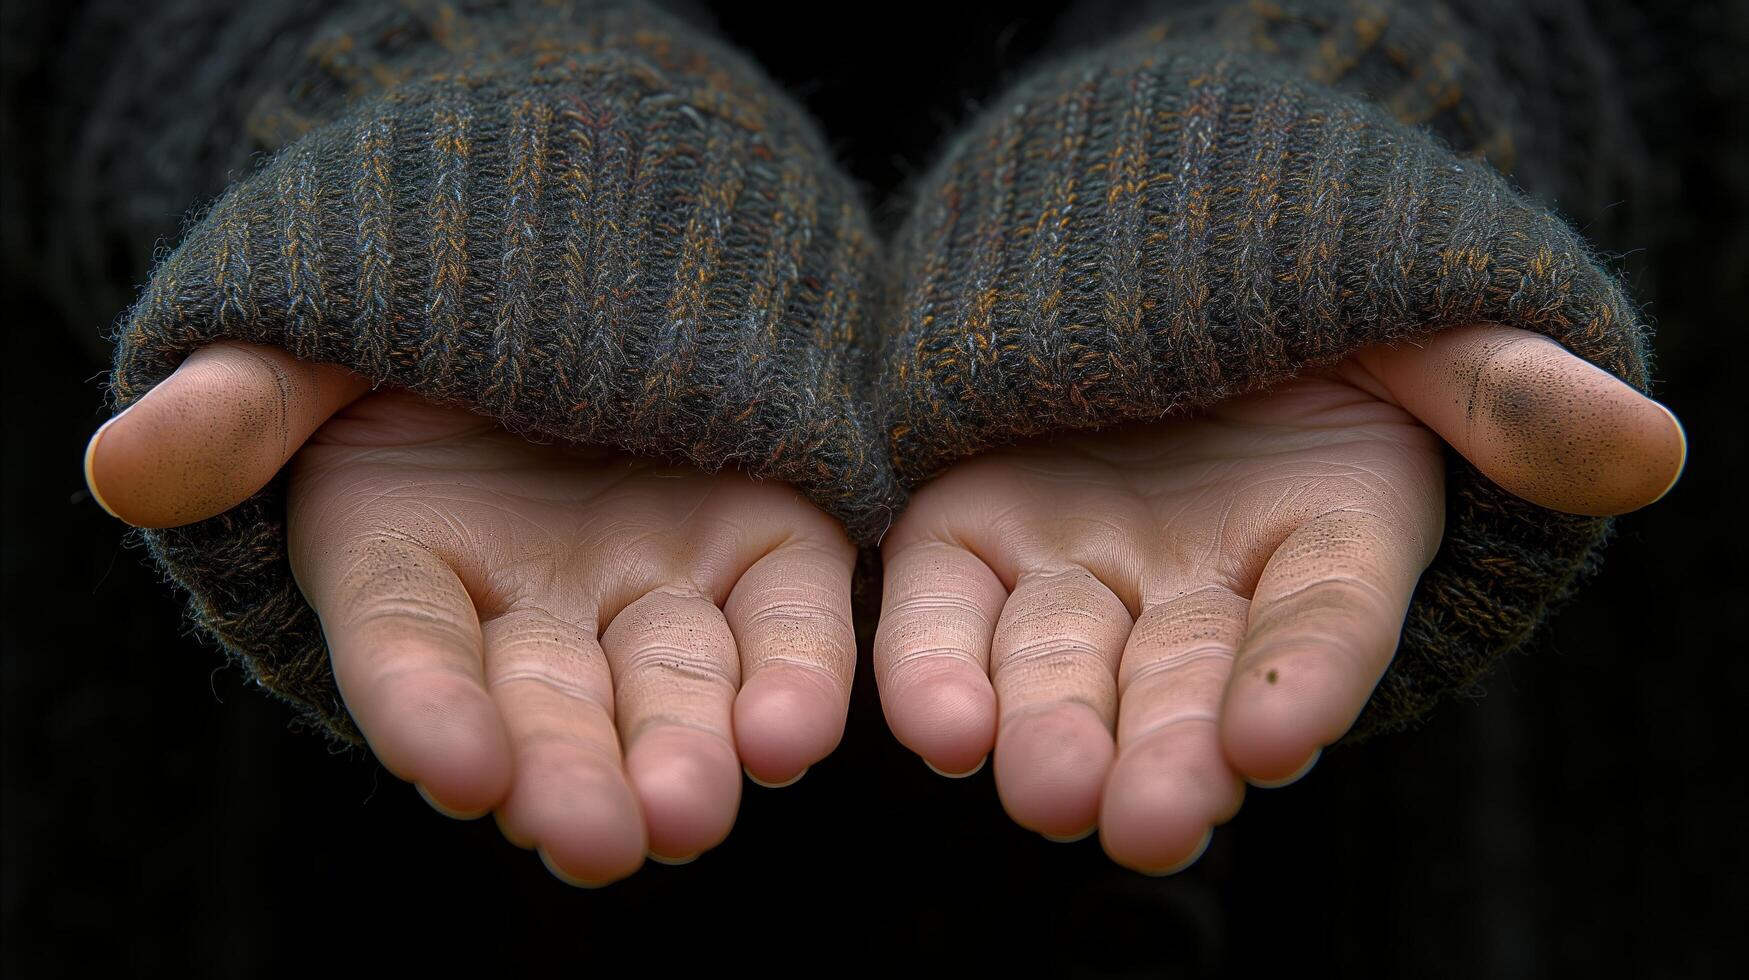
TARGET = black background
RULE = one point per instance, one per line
(1583, 817)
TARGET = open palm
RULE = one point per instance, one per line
(590, 644)
(1135, 622)
(1139, 621)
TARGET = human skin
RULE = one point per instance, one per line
(590, 644)
(1135, 622)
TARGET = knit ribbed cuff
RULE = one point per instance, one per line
(602, 229)
(1529, 85)
(1154, 227)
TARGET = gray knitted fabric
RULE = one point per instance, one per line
(1193, 211)
(593, 223)
(587, 221)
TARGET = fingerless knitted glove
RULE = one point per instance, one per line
(1208, 206)
(586, 220)
(593, 223)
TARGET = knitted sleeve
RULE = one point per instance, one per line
(1220, 200)
(586, 220)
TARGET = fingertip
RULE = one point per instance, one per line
(1274, 728)
(452, 812)
(1163, 796)
(765, 784)
(92, 481)
(688, 785)
(511, 832)
(1680, 439)
(580, 815)
(1051, 766)
(212, 433)
(784, 723)
(1185, 864)
(940, 606)
(163, 461)
(1537, 419)
(450, 742)
(964, 774)
(949, 720)
(1644, 448)
(575, 881)
(124, 476)
(1269, 758)
(1290, 778)
(1071, 838)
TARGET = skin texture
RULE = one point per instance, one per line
(1135, 623)
(1139, 622)
(591, 645)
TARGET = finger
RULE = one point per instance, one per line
(675, 674)
(1171, 783)
(790, 615)
(405, 643)
(212, 433)
(939, 608)
(1054, 664)
(1536, 419)
(569, 796)
(1323, 626)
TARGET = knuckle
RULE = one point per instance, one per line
(554, 739)
(399, 623)
(1169, 723)
(672, 664)
(1188, 664)
(920, 663)
(938, 605)
(803, 621)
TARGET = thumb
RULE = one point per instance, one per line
(1535, 418)
(212, 433)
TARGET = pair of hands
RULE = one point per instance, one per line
(1137, 623)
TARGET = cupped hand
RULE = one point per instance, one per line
(592, 645)
(1139, 622)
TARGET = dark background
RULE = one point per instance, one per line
(1581, 818)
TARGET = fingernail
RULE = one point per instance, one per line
(672, 862)
(1295, 777)
(957, 775)
(449, 812)
(569, 879)
(91, 460)
(788, 782)
(1071, 838)
(1682, 459)
(1195, 856)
